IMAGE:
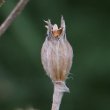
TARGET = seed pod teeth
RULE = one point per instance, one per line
(62, 22)
(53, 31)
(48, 23)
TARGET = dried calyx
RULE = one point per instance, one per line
(56, 52)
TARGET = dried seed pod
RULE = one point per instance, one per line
(56, 53)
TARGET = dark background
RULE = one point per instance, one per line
(23, 81)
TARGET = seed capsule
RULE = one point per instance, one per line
(56, 53)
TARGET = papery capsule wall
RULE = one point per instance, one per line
(56, 55)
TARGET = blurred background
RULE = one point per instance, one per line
(23, 82)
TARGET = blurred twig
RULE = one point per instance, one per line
(2, 2)
(15, 12)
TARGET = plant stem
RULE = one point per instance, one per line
(15, 12)
(59, 89)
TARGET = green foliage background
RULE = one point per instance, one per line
(23, 81)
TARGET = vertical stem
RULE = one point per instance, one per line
(59, 89)
(57, 97)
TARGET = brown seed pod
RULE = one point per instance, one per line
(56, 53)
